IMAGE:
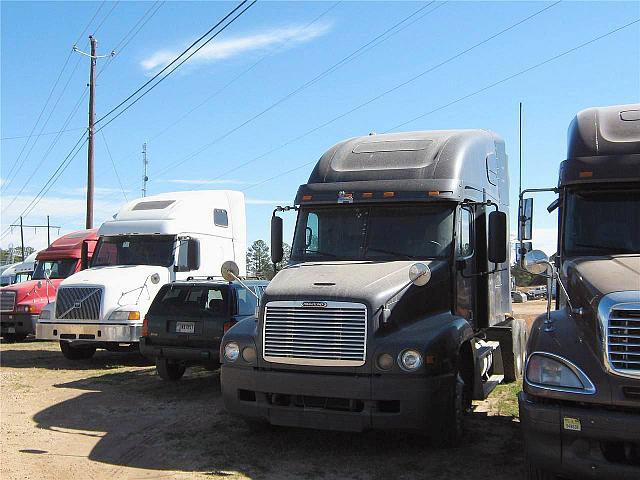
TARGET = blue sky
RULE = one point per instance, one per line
(286, 45)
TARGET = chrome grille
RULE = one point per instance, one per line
(78, 303)
(315, 333)
(7, 300)
(623, 339)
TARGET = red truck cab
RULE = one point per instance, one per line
(21, 303)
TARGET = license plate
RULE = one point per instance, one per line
(572, 424)
(185, 327)
(11, 330)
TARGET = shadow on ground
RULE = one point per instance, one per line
(182, 426)
(50, 357)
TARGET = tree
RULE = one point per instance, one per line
(258, 260)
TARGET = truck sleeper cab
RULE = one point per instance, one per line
(21, 303)
(187, 319)
(351, 335)
(580, 405)
(152, 241)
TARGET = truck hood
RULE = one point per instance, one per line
(30, 292)
(372, 283)
(590, 278)
(123, 285)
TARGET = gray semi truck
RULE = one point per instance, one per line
(394, 311)
(580, 405)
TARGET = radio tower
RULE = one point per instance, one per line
(145, 162)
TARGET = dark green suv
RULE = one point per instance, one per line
(187, 320)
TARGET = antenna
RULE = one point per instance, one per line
(145, 162)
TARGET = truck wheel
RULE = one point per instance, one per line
(169, 370)
(14, 337)
(514, 351)
(76, 353)
(453, 421)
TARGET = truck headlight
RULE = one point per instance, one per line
(26, 308)
(120, 315)
(410, 360)
(553, 372)
(45, 314)
(231, 351)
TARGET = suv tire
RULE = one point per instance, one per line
(171, 371)
(76, 353)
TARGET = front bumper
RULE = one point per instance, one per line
(607, 444)
(93, 332)
(18, 323)
(187, 354)
(335, 402)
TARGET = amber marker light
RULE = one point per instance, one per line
(135, 315)
(306, 198)
(367, 195)
(586, 174)
(433, 194)
(388, 194)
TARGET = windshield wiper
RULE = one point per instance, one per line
(320, 252)
(389, 252)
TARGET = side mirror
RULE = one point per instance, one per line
(497, 248)
(84, 255)
(536, 262)
(522, 248)
(419, 274)
(525, 219)
(229, 271)
(276, 239)
(193, 254)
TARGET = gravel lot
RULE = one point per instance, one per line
(112, 417)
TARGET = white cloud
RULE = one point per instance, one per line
(224, 49)
(262, 201)
(205, 182)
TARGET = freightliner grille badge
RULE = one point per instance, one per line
(314, 304)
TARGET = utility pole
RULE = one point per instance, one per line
(92, 118)
(22, 227)
(145, 162)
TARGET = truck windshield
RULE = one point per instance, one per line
(57, 269)
(602, 223)
(134, 250)
(373, 233)
(190, 301)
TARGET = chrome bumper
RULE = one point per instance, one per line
(97, 332)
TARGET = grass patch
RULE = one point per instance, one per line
(505, 399)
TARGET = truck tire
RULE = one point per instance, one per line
(76, 353)
(453, 422)
(514, 351)
(14, 337)
(170, 371)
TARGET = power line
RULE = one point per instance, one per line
(305, 85)
(494, 84)
(394, 88)
(172, 62)
(44, 134)
(115, 170)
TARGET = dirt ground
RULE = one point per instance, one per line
(113, 417)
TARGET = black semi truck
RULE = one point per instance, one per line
(394, 311)
(580, 408)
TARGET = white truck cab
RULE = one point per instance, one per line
(150, 242)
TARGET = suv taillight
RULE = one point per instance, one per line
(228, 325)
(144, 332)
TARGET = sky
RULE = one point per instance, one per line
(257, 106)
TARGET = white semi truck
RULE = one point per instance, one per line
(150, 242)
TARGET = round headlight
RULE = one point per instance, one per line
(410, 360)
(385, 361)
(249, 354)
(231, 351)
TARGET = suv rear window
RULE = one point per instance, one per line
(191, 301)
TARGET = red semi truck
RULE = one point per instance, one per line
(21, 303)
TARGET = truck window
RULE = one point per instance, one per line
(190, 301)
(246, 302)
(220, 217)
(58, 269)
(134, 250)
(602, 222)
(387, 232)
(465, 229)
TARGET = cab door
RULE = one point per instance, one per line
(465, 265)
